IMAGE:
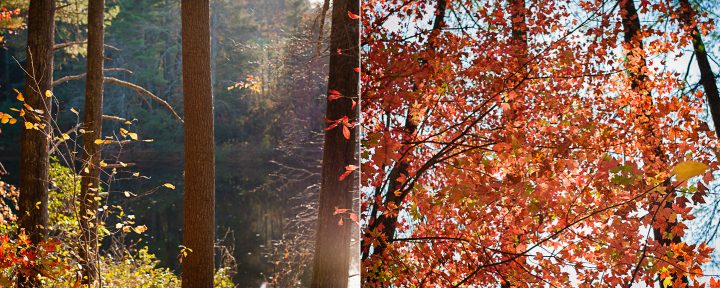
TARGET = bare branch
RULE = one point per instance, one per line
(118, 82)
(68, 78)
(113, 118)
(68, 44)
(118, 165)
(118, 70)
(80, 76)
(57, 142)
(144, 92)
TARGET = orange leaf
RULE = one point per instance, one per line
(346, 132)
(353, 16)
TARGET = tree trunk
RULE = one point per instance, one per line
(332, 246)
(90, 183)
(655, 156)
(199, 196)
(33, 202)
(707, 77)
(321, 34)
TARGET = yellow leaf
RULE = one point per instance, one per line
(28, 125)
(48, 93)
(667, 282)
(140, 229)
(133, 136)
(103, 141)
(168, 185)
(123, 132)
(689, 169)
(19, 95)
(65, 136)
(103, 164)
(13, 120)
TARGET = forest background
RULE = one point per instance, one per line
(269, 75)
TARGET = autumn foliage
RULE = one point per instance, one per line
(529, 166)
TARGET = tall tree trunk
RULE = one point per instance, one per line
(707, 77)
(388, 220)
(332, 246)
(33, 202)
(654, 155)
(321, 34)
(199, 196)
(90, 183)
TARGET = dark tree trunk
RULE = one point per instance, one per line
(90, 183)
(707, 77)
(33, 202)
(519, 31)
(199, 196)
(332, 246)
(655, 156)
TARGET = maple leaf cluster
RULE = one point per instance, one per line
(6, 14)
(528, 147)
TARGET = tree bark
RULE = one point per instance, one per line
(33, 201)
(633, 38)
(332, 247)
(199, 193)
(707, 77)
(90, 181)
(321, 34)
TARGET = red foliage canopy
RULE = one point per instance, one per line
(509, 146)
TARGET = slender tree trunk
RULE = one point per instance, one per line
(90, 183)
(654, 155)
(199, 196)
(321, 34)
(707, 77)
(33, 202)
(332, 246)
